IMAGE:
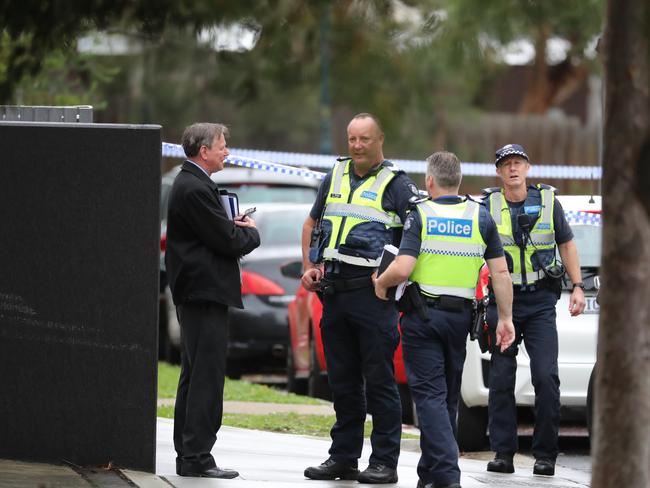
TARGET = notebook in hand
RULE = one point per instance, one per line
(388, 256)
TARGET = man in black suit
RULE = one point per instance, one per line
(203, 250)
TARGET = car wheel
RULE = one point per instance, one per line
(294, 385)
(472, 427)
(317, 385)
(590, 404)
(407, 403)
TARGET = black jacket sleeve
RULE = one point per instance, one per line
(208, 219)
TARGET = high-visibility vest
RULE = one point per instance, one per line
(347, 211)
(526, 265)
(452, 249)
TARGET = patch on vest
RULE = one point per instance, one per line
(440, 226)
(370, 195)
(335, 195)
(544, 226)
(532, 210)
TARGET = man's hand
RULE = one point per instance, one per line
(311, 279)
(244, 222)
(577, 302)
(380, 290)
(505, 334)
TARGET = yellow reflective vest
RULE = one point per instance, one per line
(525, 265)
(355, 221)
(452, 249)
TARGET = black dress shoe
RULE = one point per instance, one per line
(378, 474)
(502, 463)
(215, 472)
(544, 467)
(332, 470)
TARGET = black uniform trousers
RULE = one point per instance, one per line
(360, 335)
(199, 399)
(434, 355)
(534, 319)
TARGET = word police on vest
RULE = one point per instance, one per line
(439, 226)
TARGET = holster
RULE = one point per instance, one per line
(480, 329)
(553, 284)
(412, 301)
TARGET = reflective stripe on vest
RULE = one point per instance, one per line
(345, 210)
(452, 249)
(542, 236)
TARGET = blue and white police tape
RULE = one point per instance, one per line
(582, 218)
(284, 161)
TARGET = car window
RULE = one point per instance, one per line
(280, 228)
(271, 194)
(588, 241)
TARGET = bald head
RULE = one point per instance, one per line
(365, 142)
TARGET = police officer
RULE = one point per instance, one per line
(360, 207)
(444, 245)
(531, 224)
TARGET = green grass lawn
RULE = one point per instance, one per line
(242, 391)
(287, 423)
(291, 423)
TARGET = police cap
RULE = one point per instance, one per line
(509, 150)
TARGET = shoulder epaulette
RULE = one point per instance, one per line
(492, 189)
(478, 200)
(343, 158)
(542, 186)
(415, 201)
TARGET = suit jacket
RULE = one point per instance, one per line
(203, 244)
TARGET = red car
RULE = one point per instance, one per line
(306, 366)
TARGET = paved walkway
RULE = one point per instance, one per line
(271, 460)
(261, 408)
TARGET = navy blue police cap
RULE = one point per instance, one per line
(509, 150)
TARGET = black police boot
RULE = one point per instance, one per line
(502, 463)
(332, 470)
(422, 484)
(544, 467)
(378, 474)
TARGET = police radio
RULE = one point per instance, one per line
(315, 255)
(553, 271)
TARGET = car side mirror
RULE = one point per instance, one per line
(292, 269)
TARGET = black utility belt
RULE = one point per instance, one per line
(543, 283)
(329, 287)
(448, 303)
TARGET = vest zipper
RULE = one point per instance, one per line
(338, 237)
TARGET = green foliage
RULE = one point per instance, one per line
(315, 62)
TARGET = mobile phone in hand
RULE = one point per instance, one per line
(247, 212)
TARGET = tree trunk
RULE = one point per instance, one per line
(549, 86)
(621, 447)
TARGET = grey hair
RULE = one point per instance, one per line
(201, 134)
(444, 167)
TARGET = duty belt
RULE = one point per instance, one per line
(449, 303)
(329, 287)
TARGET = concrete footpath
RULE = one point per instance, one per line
(270, 460)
